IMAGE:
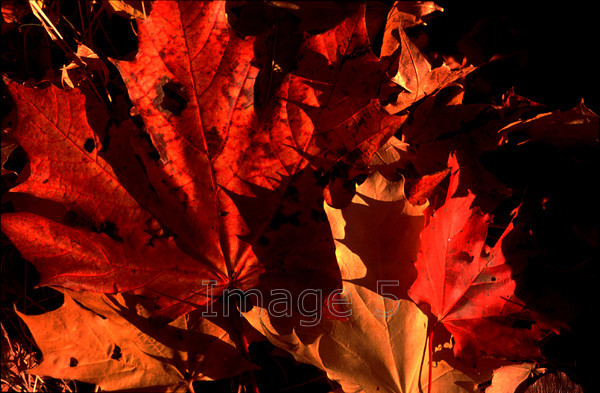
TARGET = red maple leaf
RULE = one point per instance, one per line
(469, 287)
(224, 191)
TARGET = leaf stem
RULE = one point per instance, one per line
(430, 346)
(242, 341)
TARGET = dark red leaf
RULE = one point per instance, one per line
(224, 191)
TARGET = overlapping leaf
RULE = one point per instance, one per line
(469, 288)
(442, 124)
(560, 128)
(381, 346)
(109, 248)
(223, 186)
(112, 344)
(408, 66)
(227, 171)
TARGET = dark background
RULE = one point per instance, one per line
(556, 41)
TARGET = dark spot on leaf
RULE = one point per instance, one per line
(493, 278)
(224, 213)
(73, 362)
(74, 219)
(116, 353)
(89, 145)
(465, 257)
(172, 97)
(110, 228)
(213, 141)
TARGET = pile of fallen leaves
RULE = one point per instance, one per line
(318, 159)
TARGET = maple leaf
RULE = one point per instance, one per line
(559, 128)
(408, 67)
(222, 187)
(364, 229)
(425, 187)
(222, 158)
(366, 352)
(381, 345)
(411, 13)
(468, 287)
(67, 166)
(106, 342)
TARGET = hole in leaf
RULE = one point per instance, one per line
(116, 353)
(73, 362)
(464, 256)
(174, 98)
(89, 145)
